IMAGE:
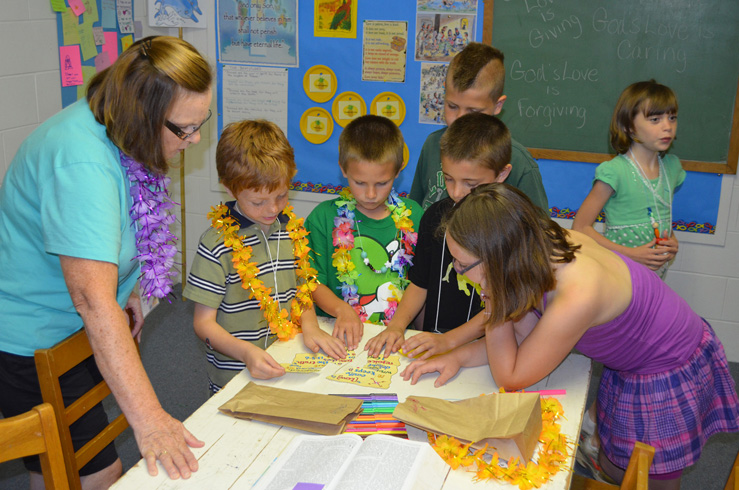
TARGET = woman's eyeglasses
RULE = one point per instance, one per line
(180, 133)
(463, 270)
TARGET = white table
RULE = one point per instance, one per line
(237, 452)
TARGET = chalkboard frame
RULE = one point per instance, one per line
(729, 167)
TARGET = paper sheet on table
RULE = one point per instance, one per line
(510, 423)
(377, 373)
(322, 414)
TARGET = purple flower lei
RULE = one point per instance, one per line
(154, 241)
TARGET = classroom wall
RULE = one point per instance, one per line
(705, 274)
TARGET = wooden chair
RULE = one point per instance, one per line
(635, 478)
(733, 482)
(31, 433)
(52, 363)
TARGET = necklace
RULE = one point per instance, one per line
(462, 283)
(343, 241)
(279, 324)
(656, 195)
(551, 456)
(155, 244)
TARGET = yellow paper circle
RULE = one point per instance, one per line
(406, 156)
(319, 83)
(390, 105)
(348, 106)
(316, 124)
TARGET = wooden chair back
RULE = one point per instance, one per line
(635, 478)
(52, 363)
(733, 482)
(31, 433)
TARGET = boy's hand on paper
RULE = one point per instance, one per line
(446, 366)
(348, 326)
(165, 439)
(424, 345)
(261, 365)
(317, 339)
(390, 339)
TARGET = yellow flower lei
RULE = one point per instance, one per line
(248, 271)
(551, 456)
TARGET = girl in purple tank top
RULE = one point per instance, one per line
(666, 380)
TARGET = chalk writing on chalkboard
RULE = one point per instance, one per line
(567, 62)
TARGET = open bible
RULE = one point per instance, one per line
(346, 462)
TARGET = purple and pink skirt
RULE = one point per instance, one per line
(675, 411)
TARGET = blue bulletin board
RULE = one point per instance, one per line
(107, 15)
(696, 203)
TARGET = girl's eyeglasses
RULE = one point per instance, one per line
(180, 133)
(462, 271)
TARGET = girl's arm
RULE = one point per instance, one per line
(570, 312)
(392, 337)
(427, 344)
(260, 364)
(588, 213)
(447, 365)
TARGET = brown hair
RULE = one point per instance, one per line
(517, 243)
(131, 98)
(478, 138)
(373, 139)
(254, 155)
(480, 65)
(650, 98)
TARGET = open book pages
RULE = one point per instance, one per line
(346, 462)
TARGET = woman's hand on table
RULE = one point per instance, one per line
(349, 326)
(260, 364)
(447, 366)
(425, 344)
(165, 439)
(316, 339)
(133, 306)
(389, 339)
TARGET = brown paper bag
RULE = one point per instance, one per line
(510, 423)
(322, 414)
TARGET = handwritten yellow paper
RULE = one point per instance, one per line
(310, 363)
(377, 373)
(306, 363)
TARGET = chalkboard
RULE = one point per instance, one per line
(567, 63)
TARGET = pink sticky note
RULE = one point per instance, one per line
(71, 65)
(77, 7)
(111, 46)
(102, 61)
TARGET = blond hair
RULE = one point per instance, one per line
(254, 155)
(373, 139)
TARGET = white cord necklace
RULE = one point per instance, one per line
(271, 263)
(656, 196)
(438, 294)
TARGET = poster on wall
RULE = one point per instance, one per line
(175, 13)
(384, 51)
(443, 28)
(431, 102)
(262, 32)
(332, 18)
(254, 92)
